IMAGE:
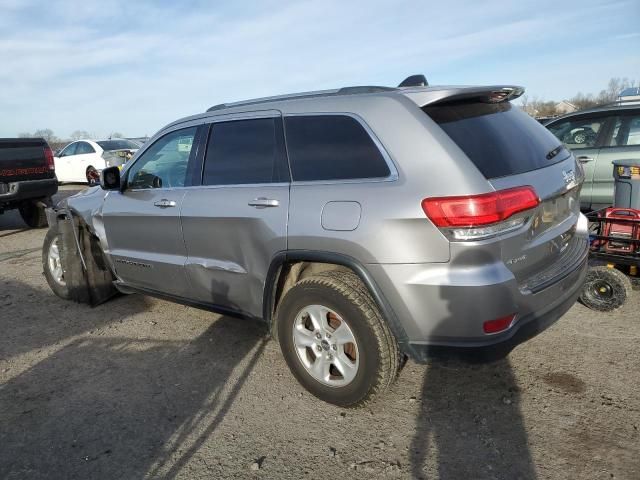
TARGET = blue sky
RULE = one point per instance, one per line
(133, 66)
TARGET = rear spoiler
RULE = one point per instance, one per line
(444, 95)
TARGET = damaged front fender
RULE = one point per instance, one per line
(87, 274)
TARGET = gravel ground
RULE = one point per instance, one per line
(140, 388)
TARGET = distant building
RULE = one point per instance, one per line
(565, 107)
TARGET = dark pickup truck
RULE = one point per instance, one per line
(27, 178)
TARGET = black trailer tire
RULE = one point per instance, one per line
(605, 289)
(33, 215)
(51, 261)
(337, 296)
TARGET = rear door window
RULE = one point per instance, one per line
(332, 147)
(83, 148)
(626, 131)
(245, 152)
(499, 138)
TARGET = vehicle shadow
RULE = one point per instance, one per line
(470, 424)
(124, 407)
(32, 319)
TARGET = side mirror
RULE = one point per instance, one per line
(110, 178)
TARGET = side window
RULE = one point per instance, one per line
(626, 131)
(245, 152)
(163, 164)
(332, 147)
(69, 150)
(84, 147)
(578, 133)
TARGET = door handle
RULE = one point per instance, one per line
(584, 159)
(262, 202)
(164, 203)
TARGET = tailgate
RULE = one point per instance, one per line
(547, 246)
(23, 160)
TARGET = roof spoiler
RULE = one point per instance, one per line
(418, 80)
(454, 94)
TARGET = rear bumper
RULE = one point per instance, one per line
(439, 306)
(28, 189)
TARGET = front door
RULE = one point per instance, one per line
(236, 221)
(142, 223)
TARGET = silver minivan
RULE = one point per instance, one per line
(364, 225)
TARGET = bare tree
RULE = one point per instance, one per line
(47, 134)
(80, 134)
(24, 135)
(116, 135)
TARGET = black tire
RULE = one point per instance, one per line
(60, 289)
(379, 358)
(605, 289)
(33, 215)
(93, 177)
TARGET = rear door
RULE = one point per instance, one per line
(63, 163)
(142, 223)
(236, 220)
(622, 143)
(85, 156)
(583, 134)
(512, 150)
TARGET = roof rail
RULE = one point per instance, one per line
(295, 96)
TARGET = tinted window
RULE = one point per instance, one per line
(498, 138)
(332, 147)
(84, 147)
(245, 151)
(118, 145)
(578, 132)
(163, 164)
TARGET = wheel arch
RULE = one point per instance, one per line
(284, 262)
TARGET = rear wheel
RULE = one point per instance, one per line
(335, 341)
(93, 176)
(33, 215)
(52, 266)
(605, 289)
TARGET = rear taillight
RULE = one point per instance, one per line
(478, 216)
(48, 156)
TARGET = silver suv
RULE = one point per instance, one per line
(364, 225)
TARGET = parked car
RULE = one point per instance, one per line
(27, 178)
(597, 137)
(83, 160)
(363, 224)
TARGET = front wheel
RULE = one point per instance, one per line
(52, 265)
(335, 341)
(605, 289)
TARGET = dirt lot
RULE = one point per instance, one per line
(143, 388)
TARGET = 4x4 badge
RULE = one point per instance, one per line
(569, 176)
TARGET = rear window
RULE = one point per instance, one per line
(498, 138)
(118, 145)
(332, 147)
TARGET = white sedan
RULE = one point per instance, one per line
(83, 160)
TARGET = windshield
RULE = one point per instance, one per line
(118, 145)
(498, 138)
